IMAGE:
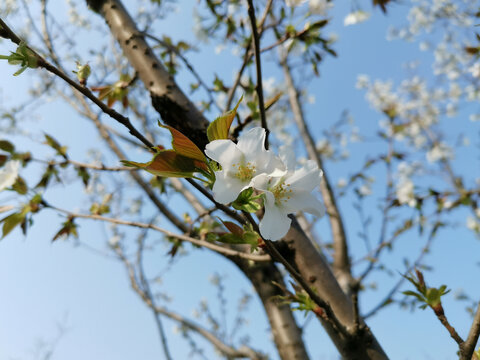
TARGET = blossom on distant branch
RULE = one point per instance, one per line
(405, 192)
(320, 7)
(8, 174)
(294, 3)
(356, 17)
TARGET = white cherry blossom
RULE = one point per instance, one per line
(405, 192)
(356, 17)
(288, 194)
(319, 7)
(294, 3)
(8, 174)
(241, 163)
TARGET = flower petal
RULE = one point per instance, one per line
(224, 152)
(263, 182)
(304, 201)
(226, 189)
(9, 174)
(306, 178)
(252, 141)
(275, 223)
(287, 154)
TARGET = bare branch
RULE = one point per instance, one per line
(258, 66)
(101, 167)
(217, 248)
(7, 33)
(227, 350)
(341, 261)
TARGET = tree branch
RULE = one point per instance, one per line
(472, 339)
(225, 349)
(341, 261)
(170, 102)
(7, 33)
(217, 248)
(148, 293)
(258, 66)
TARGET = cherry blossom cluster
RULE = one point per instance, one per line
(285, 188)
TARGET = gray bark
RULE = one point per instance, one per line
(313, 267)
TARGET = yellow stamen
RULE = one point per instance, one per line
(282, 192)
(244, 172)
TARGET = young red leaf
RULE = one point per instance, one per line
(184, 146)
(169, 163)
(233, 228)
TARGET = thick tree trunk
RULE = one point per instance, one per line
(361, 344)
(286, 334)
(168, 99)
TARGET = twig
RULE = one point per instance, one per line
(172, 217)
(330, 316)
(386, 209)
(7, 33)
(148, 293)
(258, 65)
(232, 213)
(188, 195)
(217, 248)
(225, 349)
(341, 261)
(277, 256)
(395, 288)
(101, 167)
(438, 310)
(233, 88)
(46, 35)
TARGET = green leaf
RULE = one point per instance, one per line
(168, 163)
(20, 186)
(239, 235)
(23, 56)
(68, 228)
(220, 127)
(231, 239)
(84, 175)
(233, 228)
(184, 146)
(11, 221)
(251, 237)
(47, 175)
(247, 202)
(61, 150)
(433, 297)
(36, 199)
(83, 72)
(7, 146)
(412, 293)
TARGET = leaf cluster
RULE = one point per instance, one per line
(429, 296)
(23, 56)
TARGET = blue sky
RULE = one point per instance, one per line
(43, 284)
